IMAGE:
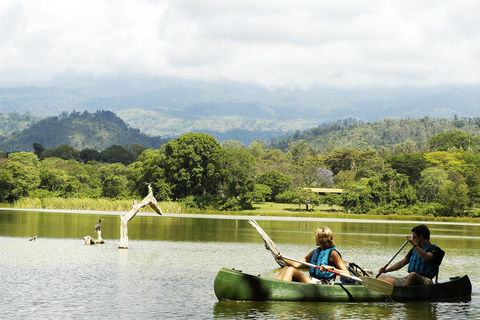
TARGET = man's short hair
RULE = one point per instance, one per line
(422, 230)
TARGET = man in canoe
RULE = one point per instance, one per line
(423, 260)
(325, 255)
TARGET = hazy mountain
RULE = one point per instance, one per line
(80, 130)
(166, 107)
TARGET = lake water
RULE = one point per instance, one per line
(168, 270)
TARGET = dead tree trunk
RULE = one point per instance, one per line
(89, 240)
(148, 200)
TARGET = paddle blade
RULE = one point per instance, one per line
(377, 285)
(269, 244)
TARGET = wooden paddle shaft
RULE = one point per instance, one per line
(385, 267)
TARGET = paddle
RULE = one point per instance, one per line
(393, 257)
(377, 285)
(269, 244)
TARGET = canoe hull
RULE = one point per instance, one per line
(235, 285)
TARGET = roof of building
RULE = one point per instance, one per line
(326, 190)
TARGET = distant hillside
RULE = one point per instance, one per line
(351, 133)
(80, 130)
(167, 107)
(102, 129)
(15, 122)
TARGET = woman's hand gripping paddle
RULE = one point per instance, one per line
(269, 244)
(374, 284)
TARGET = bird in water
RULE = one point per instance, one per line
(98, 225)
(33, 239)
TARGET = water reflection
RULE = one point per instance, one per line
(311, 310)
(169, 268)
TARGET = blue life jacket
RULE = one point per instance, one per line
(423, 267)
(320, 257)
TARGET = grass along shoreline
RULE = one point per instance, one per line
(267, 209)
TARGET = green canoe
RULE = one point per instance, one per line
(236, 285)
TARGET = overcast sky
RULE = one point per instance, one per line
(274, 43)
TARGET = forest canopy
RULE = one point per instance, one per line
(432, 179)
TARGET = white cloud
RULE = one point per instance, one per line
(273, 43)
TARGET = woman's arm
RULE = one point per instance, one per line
(297, 265)
(337, 261)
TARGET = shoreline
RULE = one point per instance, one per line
(238, 217)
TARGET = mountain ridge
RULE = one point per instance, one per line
(84, 130)
(170, 107)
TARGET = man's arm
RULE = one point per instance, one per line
(400, 264)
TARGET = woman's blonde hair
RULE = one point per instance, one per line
(325, 237)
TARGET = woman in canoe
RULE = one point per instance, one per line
(325, 255)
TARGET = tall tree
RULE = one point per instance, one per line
(88, 154)
(149, 169)
(430, 182)
(343, 160)
(192, 165)
(63, 151)
(113, 180)
(38, 149)
(116, 154)
(19, 175)
(455, 139)
(237, 166)
(276, 180)
(300, 151)
(453, 196)
(409, 164)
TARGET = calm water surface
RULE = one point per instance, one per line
(169, 268)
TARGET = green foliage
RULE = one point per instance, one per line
(277, 181)
(205, 175)
(192, 165)
(428, 186)
(104, 204)
(287, 196)
(444, 159)
(261, 193)
(343, 160)
(331, 199)
(407, 135)
(6, 183)
(368, 164)
(409, 164)
(472, 180)
(236, 171)
(15, 122)
(204, 202)
(300, 196)
(453, 140)
(310, 173)
(390, 189)
(113, 180)
(63, 151)
(300, 151)
(79, 130)
(432, 209)
(189, 202)
(269, 159)
(231, 204)
(19, 175)
(148, 169)
(352, 197)
(453, 196)
(87, 155)
(116, 154)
